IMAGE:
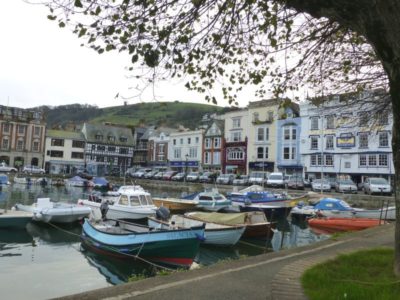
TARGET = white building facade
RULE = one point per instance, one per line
(344, 136)
(185, 149)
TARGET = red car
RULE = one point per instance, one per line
(168, 175)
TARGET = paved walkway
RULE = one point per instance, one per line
(268, 276)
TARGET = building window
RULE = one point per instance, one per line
(235, 155)
(316, 160)
(372, 160)
(20, 145)
(383, 160)
(207, 143)
(181, 141)
(98, 137)
(314, 142)
(236, 136)
(78, 144)
(197, 139)
(111, 148)
(330, 122)
(161, 148)
(260, 134)
(363, 140)
(193, 152)
(57, 142)
(55, 153)
(5, 144)
(189, 141)
(77, 155)
(270, 116)
(314, 123)
(363, 160)
(347, 165)
(36, 131)
(111, 138)
(217, 143)
(217, 158)
(123, 139)
(260, 152)
(6, 127)
(289, 153)
(174, 142)
(256, 117)
(35, 146)
(101, 148)
(329, 142)
(235, 122)
(286, 133)
(123, 150)
(207, 158)
(383, 139)
(328, 160)
(21, 129)
(177, 153)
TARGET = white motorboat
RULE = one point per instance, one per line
(210, 200)
(47, 211)
(132, 203)
(214, 233)
(386, 213)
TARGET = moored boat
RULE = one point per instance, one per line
(133, 203)
(47, 211)
(172, 246)
(256, 222)
(176, 205)
(343, 224)
(214, 234)
(12, 218)
(210, 200)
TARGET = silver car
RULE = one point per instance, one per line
(345, 186)
(377, 185)
(320, 185)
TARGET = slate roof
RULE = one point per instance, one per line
(90, 131)
(64, 134)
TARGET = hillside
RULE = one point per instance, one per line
(158, 113)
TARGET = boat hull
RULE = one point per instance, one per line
(14, 219)
(172, 247)
(343, 224)
(385, 214)
(175, 205)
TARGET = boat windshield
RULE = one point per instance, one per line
(135, 201)
(219, 197)
(146, 200)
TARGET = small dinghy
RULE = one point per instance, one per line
(343, 224)
(47, 211)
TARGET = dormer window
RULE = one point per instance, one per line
(111, 138)
(99, 136)
(123, 139)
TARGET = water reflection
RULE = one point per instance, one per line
(55, 234)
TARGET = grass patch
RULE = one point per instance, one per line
(361, 275)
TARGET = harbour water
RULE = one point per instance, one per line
(46, 261)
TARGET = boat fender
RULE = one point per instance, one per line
(201, 238)
(162, 213)
(38, 216)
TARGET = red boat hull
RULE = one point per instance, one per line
(331, 225)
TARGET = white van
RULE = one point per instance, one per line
(276, 180)
(258, 178)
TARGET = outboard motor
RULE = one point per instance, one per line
(104, 210)
(163, 213)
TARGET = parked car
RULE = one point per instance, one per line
(306, 182)
(276, 180)
(295, 182)
(332, 181)
(225, 179)
(150, 175)
(129, 172)
(360, 186)
(159, 175)
(241, 180)
(346, 186)
(29, 169)
(377, 185)
(208, 177)
(320, 184)
(5, 168)
(168, 175)
(140, 173)
(258, 178)
(193, 177)
(179, 176)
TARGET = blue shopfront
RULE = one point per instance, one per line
(184, 166)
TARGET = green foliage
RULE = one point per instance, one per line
(162, 113)
(361, 275)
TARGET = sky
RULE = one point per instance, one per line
(42, 64)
